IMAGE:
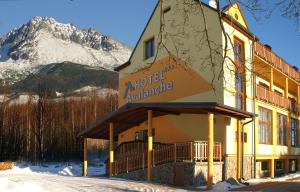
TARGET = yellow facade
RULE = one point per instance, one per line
(177, 78)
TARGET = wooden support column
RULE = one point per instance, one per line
(286, 89)
(85, 163)
(286, 165)
(111, 148)
(210, 161)
(272, 168)
(271, 79)
(238, 151)
(150, 146)
(274, 130)
(288, 133)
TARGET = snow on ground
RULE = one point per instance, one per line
(283, 178)
(65, 169)
(66, 177)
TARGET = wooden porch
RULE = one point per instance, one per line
(150, 154)
(132, 156)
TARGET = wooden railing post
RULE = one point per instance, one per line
(85, 157)
(111, 148)
(127, 165)
(143, 161)
(220, 152)
(191, 143)
(175, 153)
(153, 160)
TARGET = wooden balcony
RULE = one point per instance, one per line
(133, 155)
(279, 63)
(273, 98)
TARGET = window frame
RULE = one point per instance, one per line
(294, 131)
(283, 126)
(240, 76)
(262, 124)
(152, 40)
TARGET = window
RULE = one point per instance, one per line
(264, 165)
(294, 132)
(293, 165)
(264, 126)
(281, 129)
(294, 106)
(143, 135)
(149, 48)
(264, 85)
(239, 58)
(279, 165)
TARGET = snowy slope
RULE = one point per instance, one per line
(43, 40)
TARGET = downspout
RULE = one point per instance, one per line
(253, 111)
(242, 165)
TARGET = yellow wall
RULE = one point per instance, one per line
(193, 67)
(191, 79)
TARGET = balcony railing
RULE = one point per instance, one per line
(196, 151)
(273, 98)
(276, 61)
(266, 95)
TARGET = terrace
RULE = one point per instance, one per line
(265, 52)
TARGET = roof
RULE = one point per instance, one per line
(133, 114)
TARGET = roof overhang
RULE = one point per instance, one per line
(133, 114)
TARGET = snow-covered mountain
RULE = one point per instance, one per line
(43, 40)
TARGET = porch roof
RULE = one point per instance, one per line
(132, 114)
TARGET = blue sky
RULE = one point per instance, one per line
(124, 20)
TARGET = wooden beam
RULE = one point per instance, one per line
(210, 161)
(85, 163)
(286, 165)
(111, 148)
(150, 146)
(271, 80)
(286, 88)
(274, 130)
(238, 151)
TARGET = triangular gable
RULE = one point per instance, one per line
(236, 13)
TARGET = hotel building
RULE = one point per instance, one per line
(201, 99)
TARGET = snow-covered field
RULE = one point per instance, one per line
(67, 178)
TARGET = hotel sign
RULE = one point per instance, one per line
(150, 85)
(166, 80)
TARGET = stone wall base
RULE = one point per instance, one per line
(179, 173)
(230, 167)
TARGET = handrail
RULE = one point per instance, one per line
(195, 151)
(273, 98)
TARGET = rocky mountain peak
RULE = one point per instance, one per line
(43, 40)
